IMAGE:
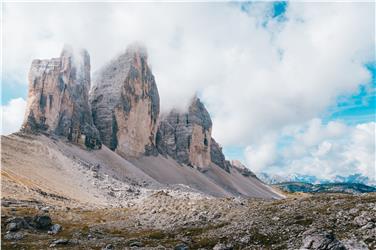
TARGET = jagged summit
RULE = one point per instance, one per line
(186, 137)
(125, 103)
(122, 112)
(58, 98)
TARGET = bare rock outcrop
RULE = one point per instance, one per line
(186, 137)
(58, 98)
(125, 104)
(217, 156)
(242, 169)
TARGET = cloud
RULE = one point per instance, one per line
(256, 74)
(12, 115)
(321, 150)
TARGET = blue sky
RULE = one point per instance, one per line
(351, 108)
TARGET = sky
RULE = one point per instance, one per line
(290, 86)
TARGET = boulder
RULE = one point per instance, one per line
(125, 104)
(59, 242)
(15, 224)
(58, 98)
(14, 236)
(321, 240)
(181, 246)
(42, 221)
(56, 228)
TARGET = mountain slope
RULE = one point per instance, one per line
(57, 171)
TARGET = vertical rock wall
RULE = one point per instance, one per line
(125, 104)
(186, 137)
(58, 98)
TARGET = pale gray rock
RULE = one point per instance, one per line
(321, 241)
(354, 245)
(56, 228)
(58, 98)
(17, 223)
(125, 103)
(14, 236)
(59, 242)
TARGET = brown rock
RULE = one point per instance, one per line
(58, 98)
(125, 104)
(186, 137)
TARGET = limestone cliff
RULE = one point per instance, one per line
(186, 137)
(125, 104)
(58, 98)
(217, 156)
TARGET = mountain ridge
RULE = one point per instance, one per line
(122, 108)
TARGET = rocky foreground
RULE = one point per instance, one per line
(166, 221)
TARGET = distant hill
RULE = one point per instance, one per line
(352, 188)
(276, 179)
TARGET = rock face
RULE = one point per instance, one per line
(242, 169)
(125, 104)
(186, 137)
(58, 98)
(217, 156)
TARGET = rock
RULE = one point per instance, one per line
(245, 240)
(42, 221)
(108, 247)
(15, 224)
(13, 236)
(135, 244)
(186, 137)
(13, 227)
(361, 220)
(125, 104)
(221, 246)
(354, 245)
(353, 211)
(217, 156)
(55, 229)
(45, 209)
(181, 246)
(242, 169)
(59, 242)
(58, 98)
(369, 225)
(321, 240)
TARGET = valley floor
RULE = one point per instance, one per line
(162, 221)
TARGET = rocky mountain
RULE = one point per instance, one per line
(125, 103)
(101, 169)
(58, 98)
(217, 156)
(119, 117)
(354, 178)
(350, 188)
(186, 137)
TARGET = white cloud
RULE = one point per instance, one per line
(337, 149)
(12, 115)
(257, 76)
